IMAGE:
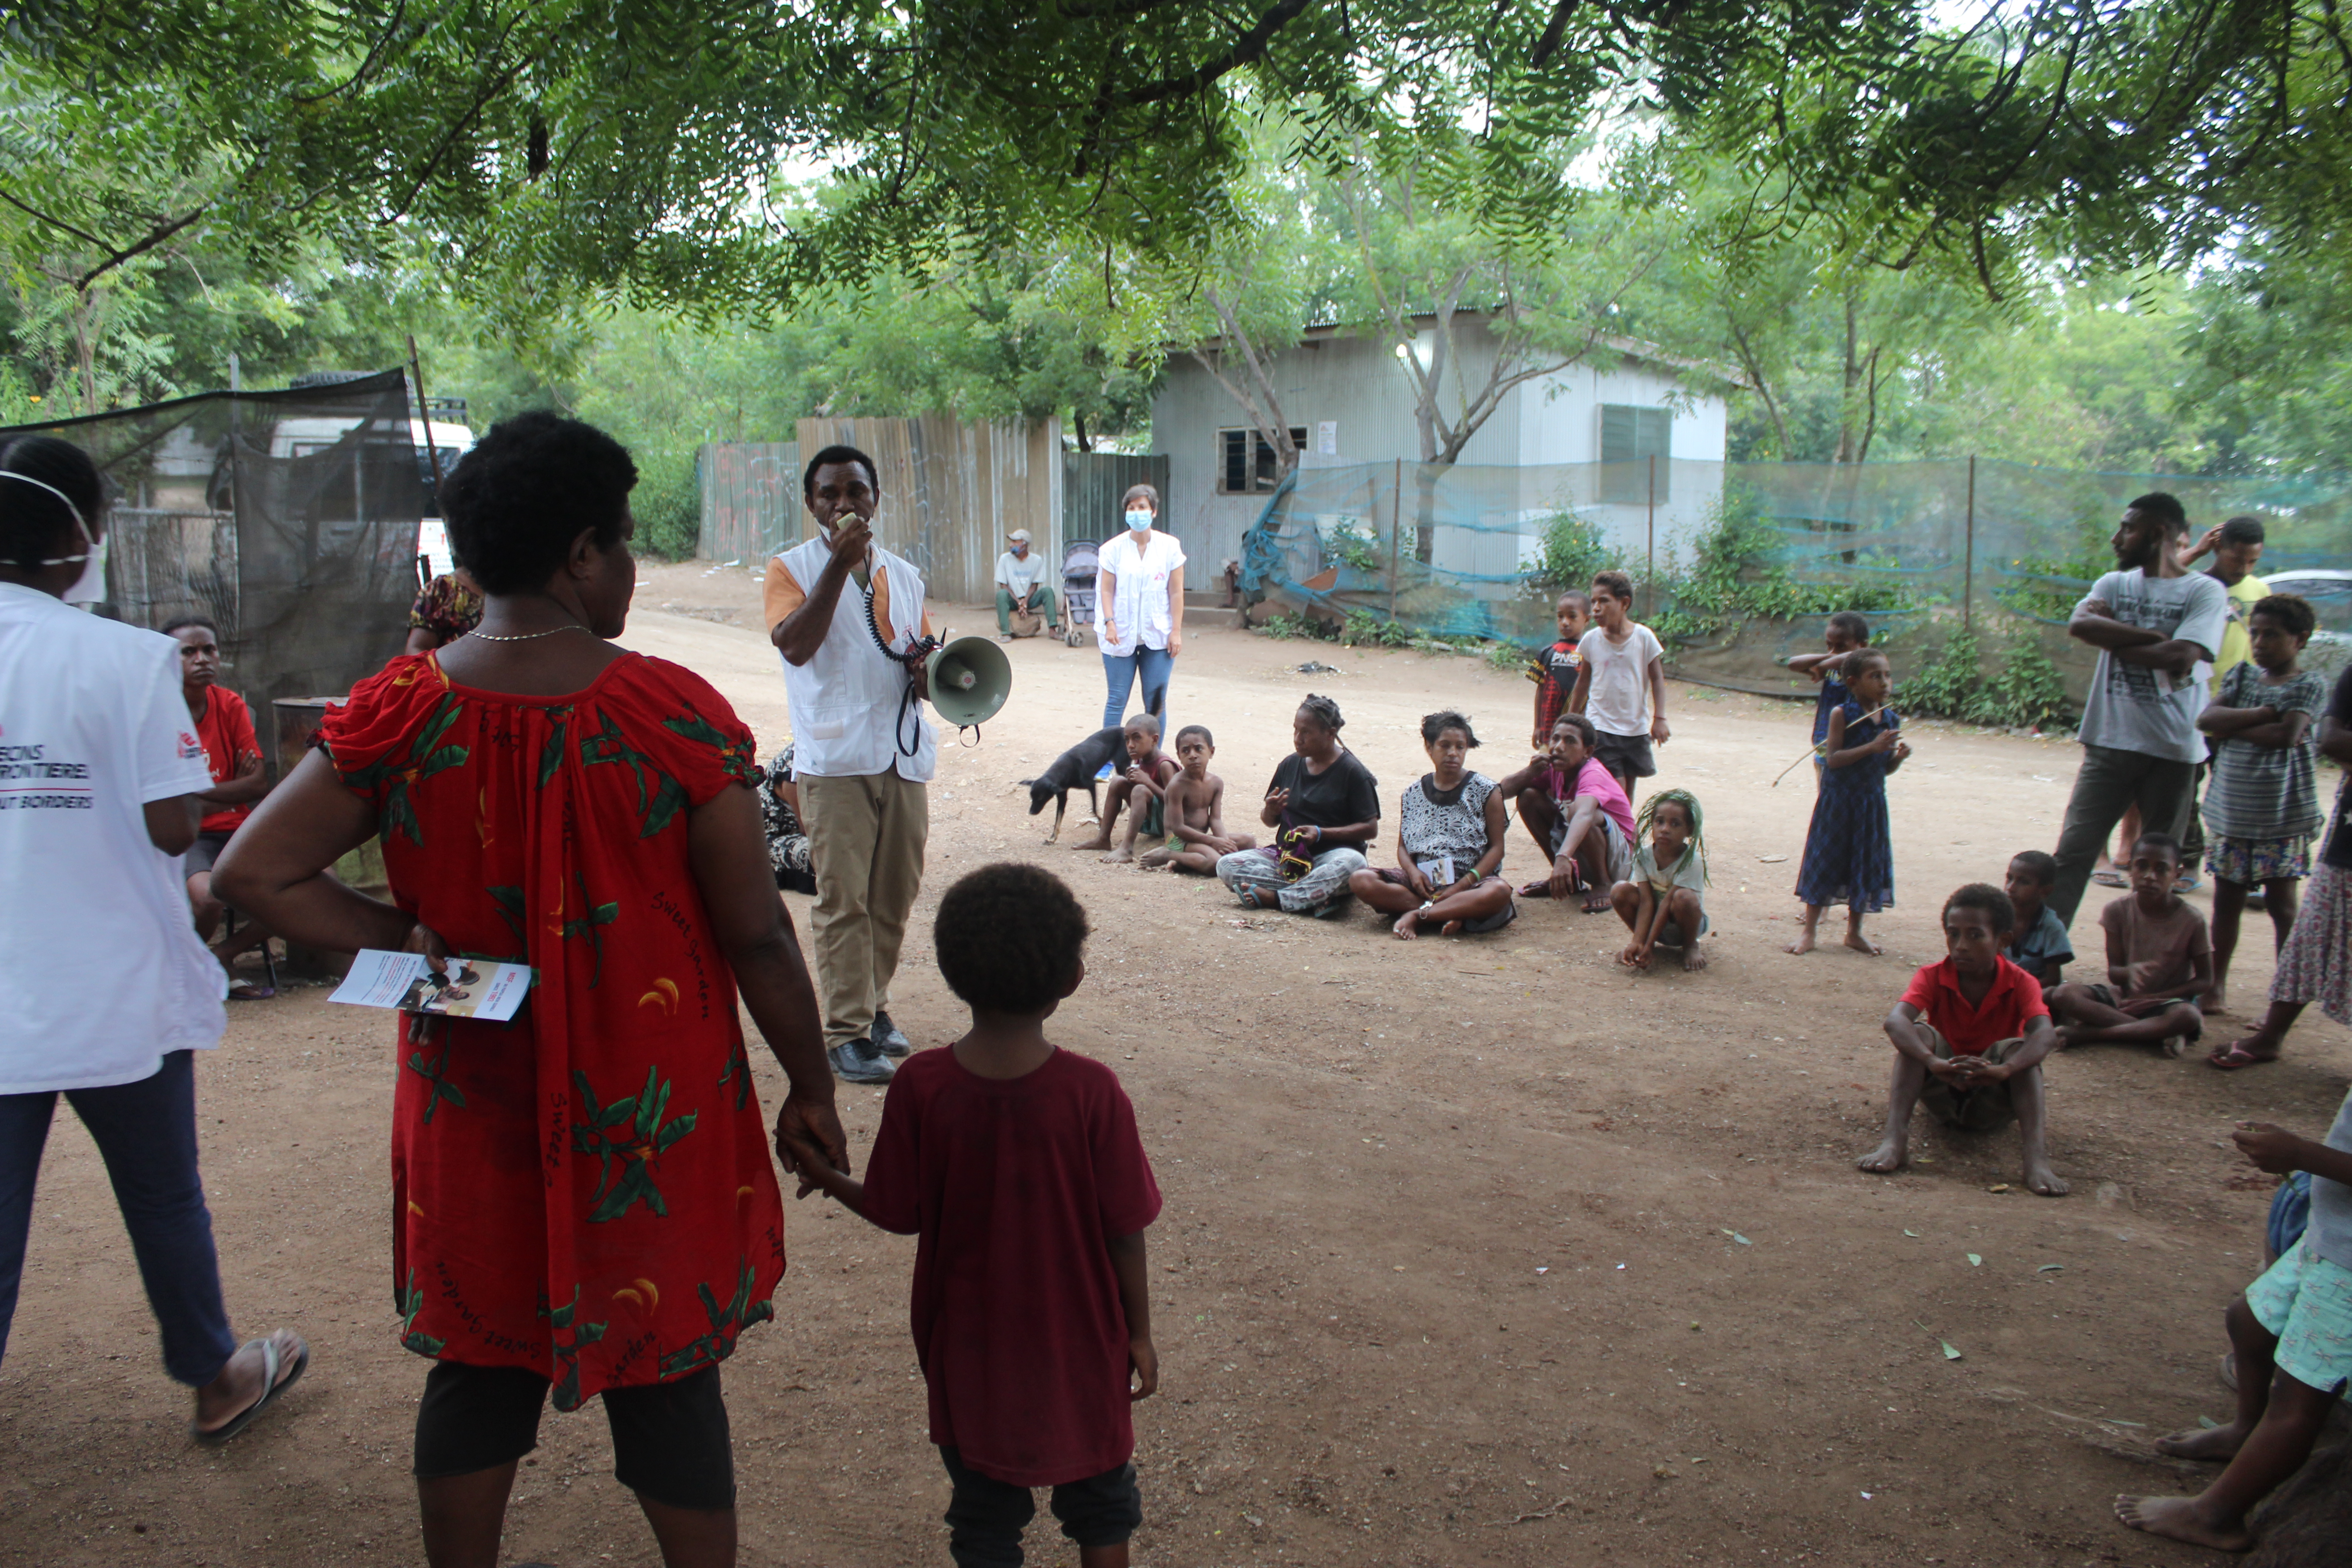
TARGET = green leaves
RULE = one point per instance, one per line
(630, 1133)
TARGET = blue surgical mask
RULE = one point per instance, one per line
(1138, 519)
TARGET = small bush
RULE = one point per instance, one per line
(1350, 547)
(1571, 551)
(1364, 629)
(2022, 689)
(1285, 626)
(1734, 577)
(668, 502)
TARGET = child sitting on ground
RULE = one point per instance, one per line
(2262, 805)
(1620, 683)
(1969, 1035)
(1450, 834)
(1554, 669)
(1850, 847)
(2040, 945)
(2292, 1339)
(1142, 789)
(1846, 633)
(1017, 1166)
(2158, 962)
(1663, 904)
(1196, 810)
(1577, 814)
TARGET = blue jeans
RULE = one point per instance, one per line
(146, 1133)
(1154, 664)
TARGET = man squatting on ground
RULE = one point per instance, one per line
(864, 752)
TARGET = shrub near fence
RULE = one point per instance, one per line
(1966, 569)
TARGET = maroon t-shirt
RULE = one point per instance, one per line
(1014, 1189)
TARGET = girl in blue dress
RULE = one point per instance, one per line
(1850, 849)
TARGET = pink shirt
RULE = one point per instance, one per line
(1597, 782)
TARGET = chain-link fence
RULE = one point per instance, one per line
(288, 518)
(1924, 549)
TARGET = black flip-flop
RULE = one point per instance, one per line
(272, 1385)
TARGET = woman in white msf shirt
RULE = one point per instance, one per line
(1140, 614)
(107, 989)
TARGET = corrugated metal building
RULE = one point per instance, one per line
(1347, 401)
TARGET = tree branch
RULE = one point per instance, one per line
(1554, 31)
(1247, 49)
(154, 237)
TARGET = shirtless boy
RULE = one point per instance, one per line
(1140, 788)
(2159, 961)
(1196, 811)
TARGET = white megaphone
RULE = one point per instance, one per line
(970, 680)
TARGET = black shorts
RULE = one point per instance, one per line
(669, 1439)
(985, 1516)
(1627, 756)
(204, 854)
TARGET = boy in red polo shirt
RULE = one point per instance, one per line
(1969, 1035)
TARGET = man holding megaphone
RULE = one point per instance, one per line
(849, 617)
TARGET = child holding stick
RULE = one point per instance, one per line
(1850, 847)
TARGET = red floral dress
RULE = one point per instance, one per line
(585, 1190)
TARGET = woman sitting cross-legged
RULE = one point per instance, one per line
(583, 1200)
(1449, 844)
(1325, 806)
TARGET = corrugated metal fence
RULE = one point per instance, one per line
(1093, 483)
(751, 499)
(951, 489)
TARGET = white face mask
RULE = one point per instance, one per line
(1138, 519)
(89, 588)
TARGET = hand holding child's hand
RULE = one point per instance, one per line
(2269, 1148)
(1143, 1358)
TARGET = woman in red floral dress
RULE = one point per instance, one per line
(581, 1198)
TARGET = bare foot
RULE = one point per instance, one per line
(1408, 925)
(1596, 901)
(2175, 1518)
(2040, 1178)
(1861, 943)
(1451, 928)
(1157, 859)
(1103, 842)
(1693, 957)
(1804, 943)
(1882, 1161)
(2214, 1001)
(1120, 857)
(2217, 1444)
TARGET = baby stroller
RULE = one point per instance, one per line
(1081, 560)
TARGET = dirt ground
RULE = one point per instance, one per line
(1473, 1252)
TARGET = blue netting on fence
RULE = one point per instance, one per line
(1445, 551)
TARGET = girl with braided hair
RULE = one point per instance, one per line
(1663, 903)
(1326, 806)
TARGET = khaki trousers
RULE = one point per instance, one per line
(865, 849)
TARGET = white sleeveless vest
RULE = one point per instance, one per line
(845, 700)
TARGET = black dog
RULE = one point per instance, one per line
(1075, 769)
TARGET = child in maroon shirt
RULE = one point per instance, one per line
(1018, 1167)
(1969, 1035)
(1554, 669)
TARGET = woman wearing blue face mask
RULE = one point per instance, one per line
(1139, 625)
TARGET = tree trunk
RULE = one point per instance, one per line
(1852, 372)
(1079, 423)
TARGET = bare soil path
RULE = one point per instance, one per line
(1473, 1252)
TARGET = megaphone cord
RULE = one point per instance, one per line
(917, 650)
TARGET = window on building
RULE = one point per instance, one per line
(1247, 462)
(1630, 437)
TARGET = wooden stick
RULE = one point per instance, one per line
(1815, 750)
